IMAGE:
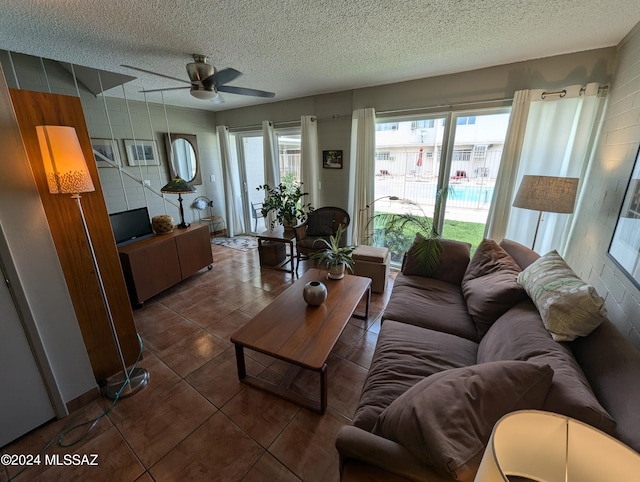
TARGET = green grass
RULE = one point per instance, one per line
(464, 231)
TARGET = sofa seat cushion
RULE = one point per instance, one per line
(519, 334)
(490, 285)
(404, 355)
(446, 419)
(430, 303)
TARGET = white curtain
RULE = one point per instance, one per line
(503, 193)
(271, 162)
(232, 191)
(361, 174)
(309, 160)
(558, 141)
(271, 158)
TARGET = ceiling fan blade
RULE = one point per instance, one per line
(244, 91)
(155, 73)
(161, 90)
(221, 77)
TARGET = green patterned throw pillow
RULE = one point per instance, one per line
(569, 307)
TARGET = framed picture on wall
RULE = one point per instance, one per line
(332, 159)
(141, 152)
(625, 243)
(106, 152)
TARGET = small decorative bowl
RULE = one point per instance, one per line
(162, 224)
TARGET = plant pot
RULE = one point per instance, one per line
(314, 293)
(287, 224)
(336, 272)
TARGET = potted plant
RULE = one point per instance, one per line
(336, 258)
(285, 201)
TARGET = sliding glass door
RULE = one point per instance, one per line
(442, 167)
(250, 148)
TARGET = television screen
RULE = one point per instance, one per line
(132, 225)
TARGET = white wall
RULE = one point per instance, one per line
(597, 214)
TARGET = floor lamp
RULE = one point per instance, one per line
(67, 173)
(546, 193)
(179, 186)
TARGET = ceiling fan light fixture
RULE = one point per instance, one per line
(204, 94)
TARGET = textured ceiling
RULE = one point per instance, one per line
(303, 47)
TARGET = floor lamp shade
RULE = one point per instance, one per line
(546, 194)
(64, 162)
(547, 447)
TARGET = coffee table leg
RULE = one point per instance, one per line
(323, 389)
(242, 371)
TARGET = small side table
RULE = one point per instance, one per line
(279, 235)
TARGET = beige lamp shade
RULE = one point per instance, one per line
(64, 163)
(547, 447)
(547, 193)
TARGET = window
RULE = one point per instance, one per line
(423, 164)
(387, 126)
(423, 124)
(466, 121)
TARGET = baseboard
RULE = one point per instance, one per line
(83, 400)
(216, 234)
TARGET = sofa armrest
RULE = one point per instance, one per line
(355, 443)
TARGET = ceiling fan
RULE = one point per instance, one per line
(205, 81)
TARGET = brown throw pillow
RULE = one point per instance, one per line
(453, 258)
(446, 419)
(490, 285)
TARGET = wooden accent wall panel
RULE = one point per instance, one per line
(37, 108)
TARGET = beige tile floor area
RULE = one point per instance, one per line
(195, 421)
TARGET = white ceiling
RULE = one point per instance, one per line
(297, 48)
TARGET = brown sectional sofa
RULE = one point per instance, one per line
(470, 318)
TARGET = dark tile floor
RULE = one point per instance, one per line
(195, 421)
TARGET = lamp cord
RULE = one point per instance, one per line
(60, 436)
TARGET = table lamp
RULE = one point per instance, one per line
(546, 193)
(67, 173)
(179, 186)
(531, 445)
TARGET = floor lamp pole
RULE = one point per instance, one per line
(139, 377)
(537, 227)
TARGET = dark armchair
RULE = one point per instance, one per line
(320, 224)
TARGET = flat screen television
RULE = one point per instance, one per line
(130, 226)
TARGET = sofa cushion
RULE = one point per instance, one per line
(519, 334)
(568, 306)
(522, 255)
(432, 304)
(446, 419)
(612, 364)
(452, 260)
(404, 355)
(489, 285)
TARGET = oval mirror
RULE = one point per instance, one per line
(182, 150)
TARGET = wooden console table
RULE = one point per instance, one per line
(152, 265)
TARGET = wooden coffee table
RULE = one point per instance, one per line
(303, 335)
